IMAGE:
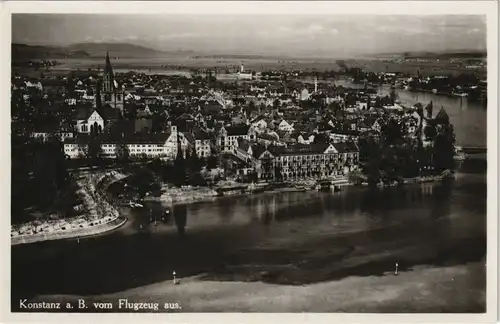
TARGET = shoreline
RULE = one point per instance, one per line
(97, 226)
(72, 234)
(186, 198)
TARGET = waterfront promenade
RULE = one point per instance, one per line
(99, 217)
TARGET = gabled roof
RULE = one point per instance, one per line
(107, 112)
(237, 130)
(257, 150)
(200, 134)
(185, 116)
(268, 136)
(283, 120)
(258, 118)
(442, 117)
(301, 149)
(347, 147)
(83, 112)
(189, 137)
(243, 144)
(306, 134)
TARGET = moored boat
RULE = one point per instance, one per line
(135, 205)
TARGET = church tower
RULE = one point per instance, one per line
(108, 76)
(110, 92)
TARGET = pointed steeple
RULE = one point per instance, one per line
(108, 69)
(442, 117)
(108, 78)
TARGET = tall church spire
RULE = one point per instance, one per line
(108, 69)
(108, 76)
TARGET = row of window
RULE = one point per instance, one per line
(310, 174)
(133, 151)
(69, 150)
(134, 145)
(320, 157)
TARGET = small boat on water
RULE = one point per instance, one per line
(459, 154)
(135, 205)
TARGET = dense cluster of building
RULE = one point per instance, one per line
(278, 130)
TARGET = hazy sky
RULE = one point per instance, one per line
(285, 34)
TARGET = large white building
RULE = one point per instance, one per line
(244, 75)
(162, 145)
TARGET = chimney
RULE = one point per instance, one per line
(315, 84)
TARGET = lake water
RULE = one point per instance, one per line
(284, 238)
(468, 117)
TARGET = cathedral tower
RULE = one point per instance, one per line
(110, 92)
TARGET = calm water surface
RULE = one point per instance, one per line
(285, 238)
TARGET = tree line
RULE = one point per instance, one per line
(393, 155)
(40, 179)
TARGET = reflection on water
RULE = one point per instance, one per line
(366, 206)
(155, 218)
(180, 216)
(293, 237)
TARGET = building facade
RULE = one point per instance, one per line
(318, 161)
(110, 92)
(227, 138)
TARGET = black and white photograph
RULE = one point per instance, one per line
(245, 162)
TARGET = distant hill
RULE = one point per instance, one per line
(115, 50)
(240, 56)
(22, 52)
(454, 54)
(442, 55)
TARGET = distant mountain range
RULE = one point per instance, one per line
(115, 49)
(22, 52)
(86, 50)
(443, 55)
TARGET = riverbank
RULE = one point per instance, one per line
(98, 214)
(421, 289)
(188, 194)
(405, 181)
